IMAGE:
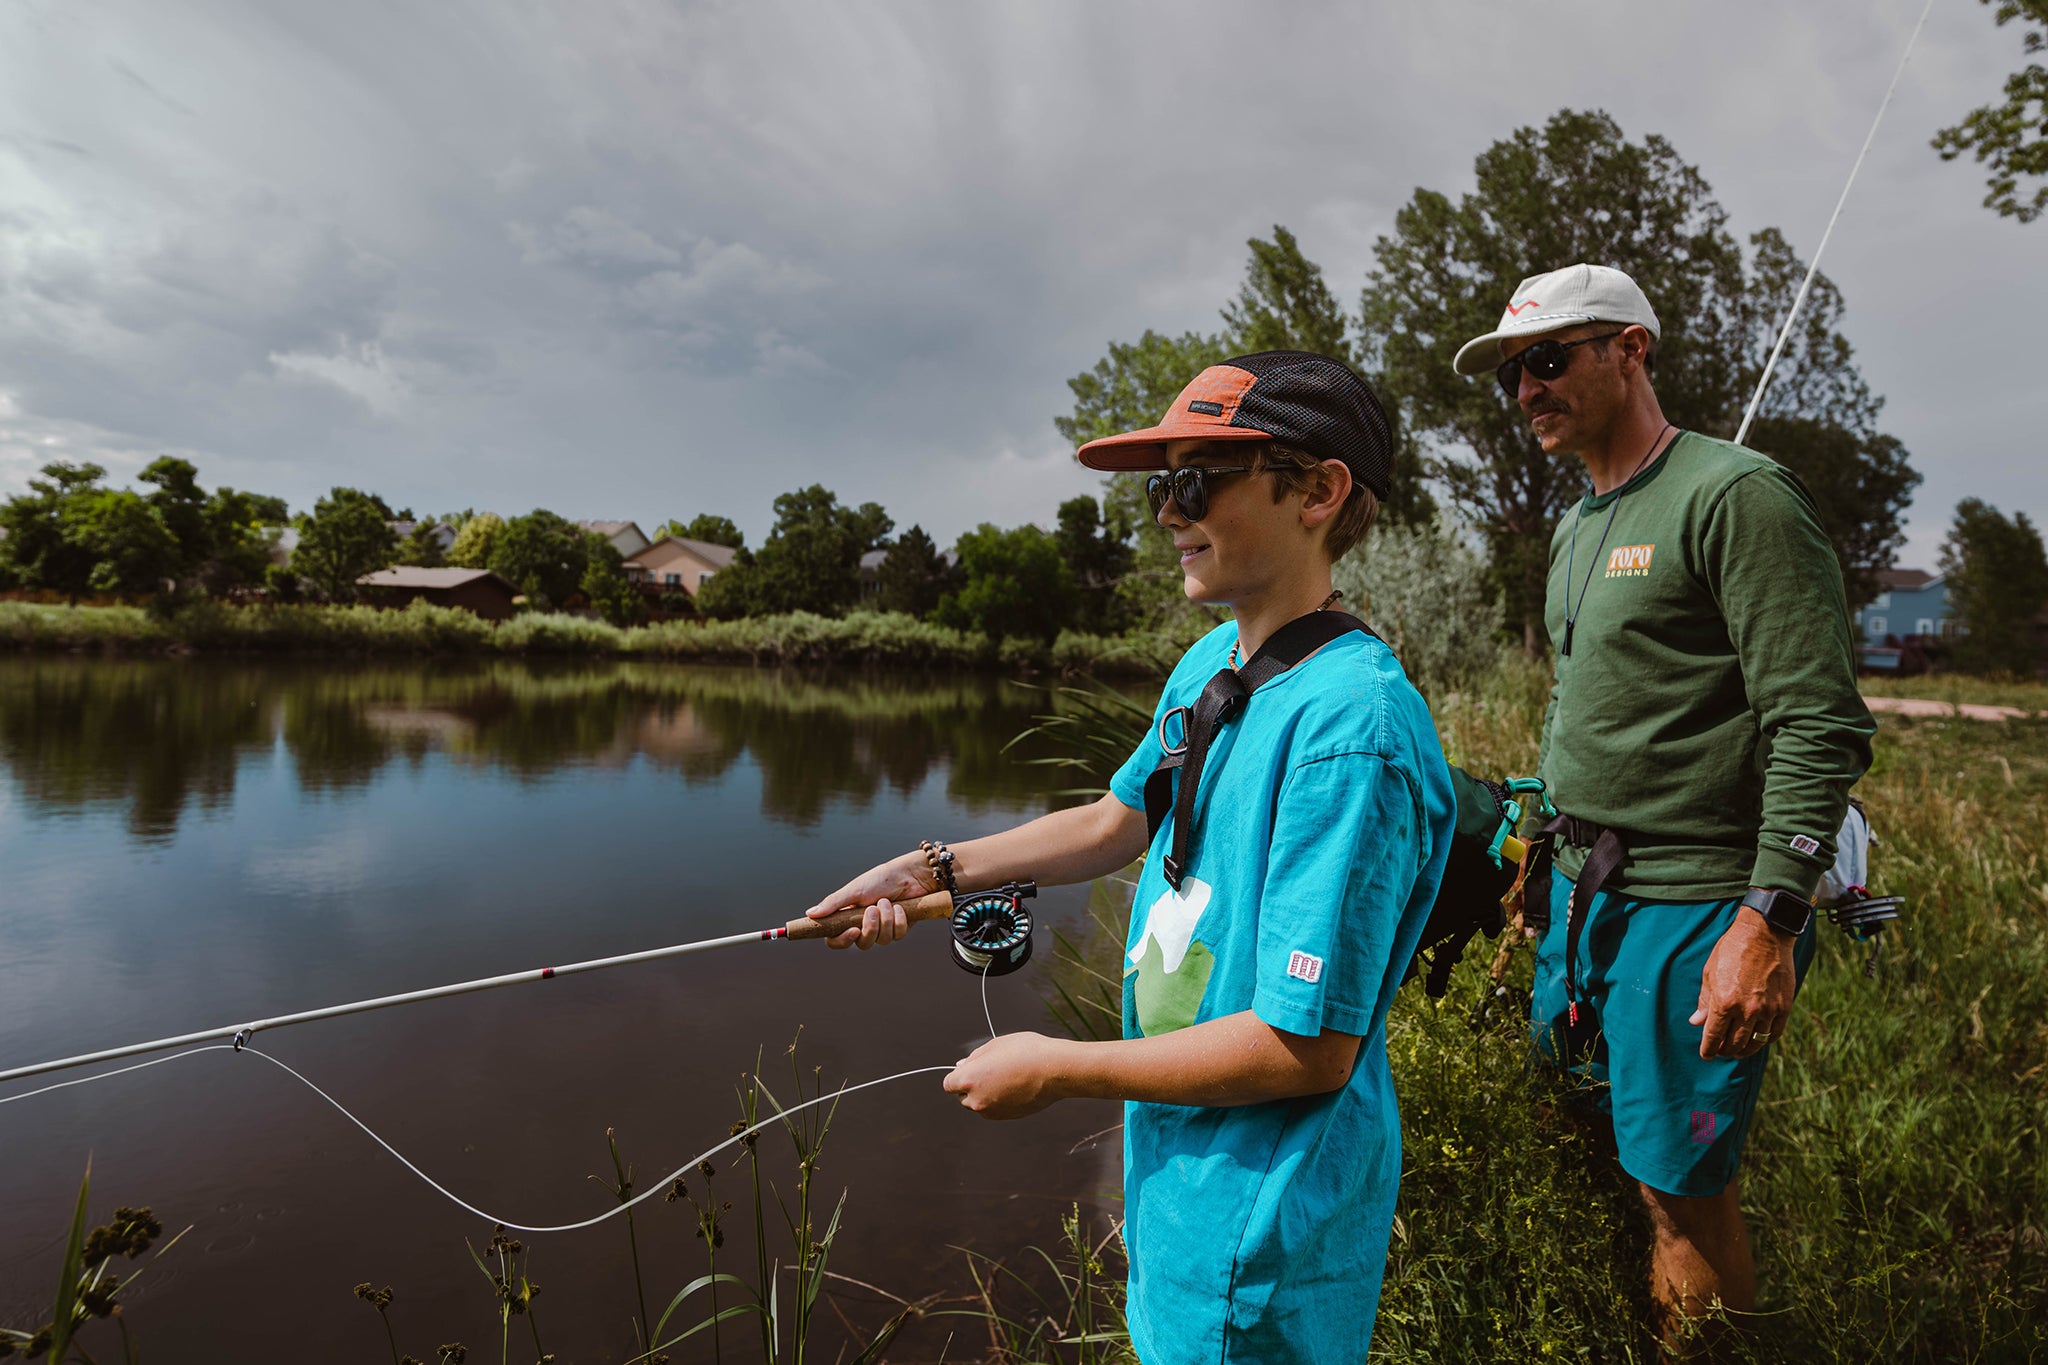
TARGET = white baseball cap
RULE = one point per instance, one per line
(1562, 298)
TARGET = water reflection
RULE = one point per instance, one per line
(160, 738)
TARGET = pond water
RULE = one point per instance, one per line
(192, 843)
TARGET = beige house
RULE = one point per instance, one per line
(673, 562)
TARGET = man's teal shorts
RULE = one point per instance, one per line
(1679, 1120)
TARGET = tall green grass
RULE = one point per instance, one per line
(862, 639)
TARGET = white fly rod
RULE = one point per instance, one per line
(936, 906)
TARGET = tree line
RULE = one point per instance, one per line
(72, 535)
(1575, 189)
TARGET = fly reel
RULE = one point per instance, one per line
(992, 929)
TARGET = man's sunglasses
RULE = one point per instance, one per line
(1546, 360)
(1189, 488)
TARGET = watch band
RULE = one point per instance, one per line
(1783, 911)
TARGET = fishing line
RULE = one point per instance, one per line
(991, 938)
(1799, 299)
(449, 1194)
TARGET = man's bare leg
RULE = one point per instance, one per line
(1700, 1254)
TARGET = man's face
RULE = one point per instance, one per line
(1575, 409)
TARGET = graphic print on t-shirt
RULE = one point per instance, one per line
(1172, 969)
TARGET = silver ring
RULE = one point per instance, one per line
(1184, 712)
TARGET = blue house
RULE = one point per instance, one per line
(1905, 623)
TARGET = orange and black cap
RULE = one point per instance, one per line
(1307, 401)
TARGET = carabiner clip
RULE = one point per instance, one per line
(1184, 712)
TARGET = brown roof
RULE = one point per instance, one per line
(1905, 580)
(410, 576)
(607, 528)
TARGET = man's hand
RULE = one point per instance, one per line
(1746, 990)
(878, 888)
(1010, 1076)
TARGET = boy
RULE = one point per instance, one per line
(1261, 1142)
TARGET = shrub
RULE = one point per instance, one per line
(1429, 595)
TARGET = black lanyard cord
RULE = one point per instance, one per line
(1571, 614)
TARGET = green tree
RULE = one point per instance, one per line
(132, 551)
(1284, 305)
(475, 540)
(1861, 484)
(734, 590)
(179, 504)
(913, 576)
(810, 561)
(1097, 555)
(421, 547)
(708, 527)
(1578, 190)
(543, 555)
(347, 535)
(39, 550)
(2011, 138)
(1997, 577)
(605, 586)
(241, 529)
(1015, 584)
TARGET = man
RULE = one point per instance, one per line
(1701, 739)
(1261, 1143)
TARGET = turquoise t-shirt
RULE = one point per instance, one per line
(1259, 1233)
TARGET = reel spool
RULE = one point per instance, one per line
(992, 930)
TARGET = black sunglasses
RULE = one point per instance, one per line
(1546, 360)
(1189, 488)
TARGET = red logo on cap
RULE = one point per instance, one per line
(1516, 308)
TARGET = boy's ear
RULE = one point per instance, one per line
(1326, 500)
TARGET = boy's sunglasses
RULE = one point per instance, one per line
(1189, 488)
(1546, 360)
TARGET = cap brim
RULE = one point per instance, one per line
(1481, 355)
(1146, 448)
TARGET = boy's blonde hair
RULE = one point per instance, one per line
(1297, 471)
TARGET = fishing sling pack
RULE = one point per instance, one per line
(1467, 902)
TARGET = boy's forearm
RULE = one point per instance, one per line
(1067, 846)
(1238, 1059)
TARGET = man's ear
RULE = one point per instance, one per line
(1326, 500)
(1635, 346)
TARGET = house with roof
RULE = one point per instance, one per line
(474, 590)
(442, 533)
(674, 562)
(625, 537)
(1906, 624)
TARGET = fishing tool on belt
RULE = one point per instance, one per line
(1481, 871)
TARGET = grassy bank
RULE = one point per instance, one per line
(863, 639)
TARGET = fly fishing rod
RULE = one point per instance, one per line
(991, 937)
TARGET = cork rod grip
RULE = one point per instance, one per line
(938, 905)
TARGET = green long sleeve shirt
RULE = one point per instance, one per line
(1707, 707)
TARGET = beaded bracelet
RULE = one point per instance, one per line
(939, 859)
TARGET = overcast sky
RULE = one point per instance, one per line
(632, 259)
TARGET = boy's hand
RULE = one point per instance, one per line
(1009, 1077)
(878, 888)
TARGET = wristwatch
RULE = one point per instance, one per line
(1783, 911)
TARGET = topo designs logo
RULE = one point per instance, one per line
(1630, 561)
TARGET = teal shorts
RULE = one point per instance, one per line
(1679, 1120)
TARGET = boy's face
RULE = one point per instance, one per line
(1246, 542)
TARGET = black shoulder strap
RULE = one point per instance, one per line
(1222, 698)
